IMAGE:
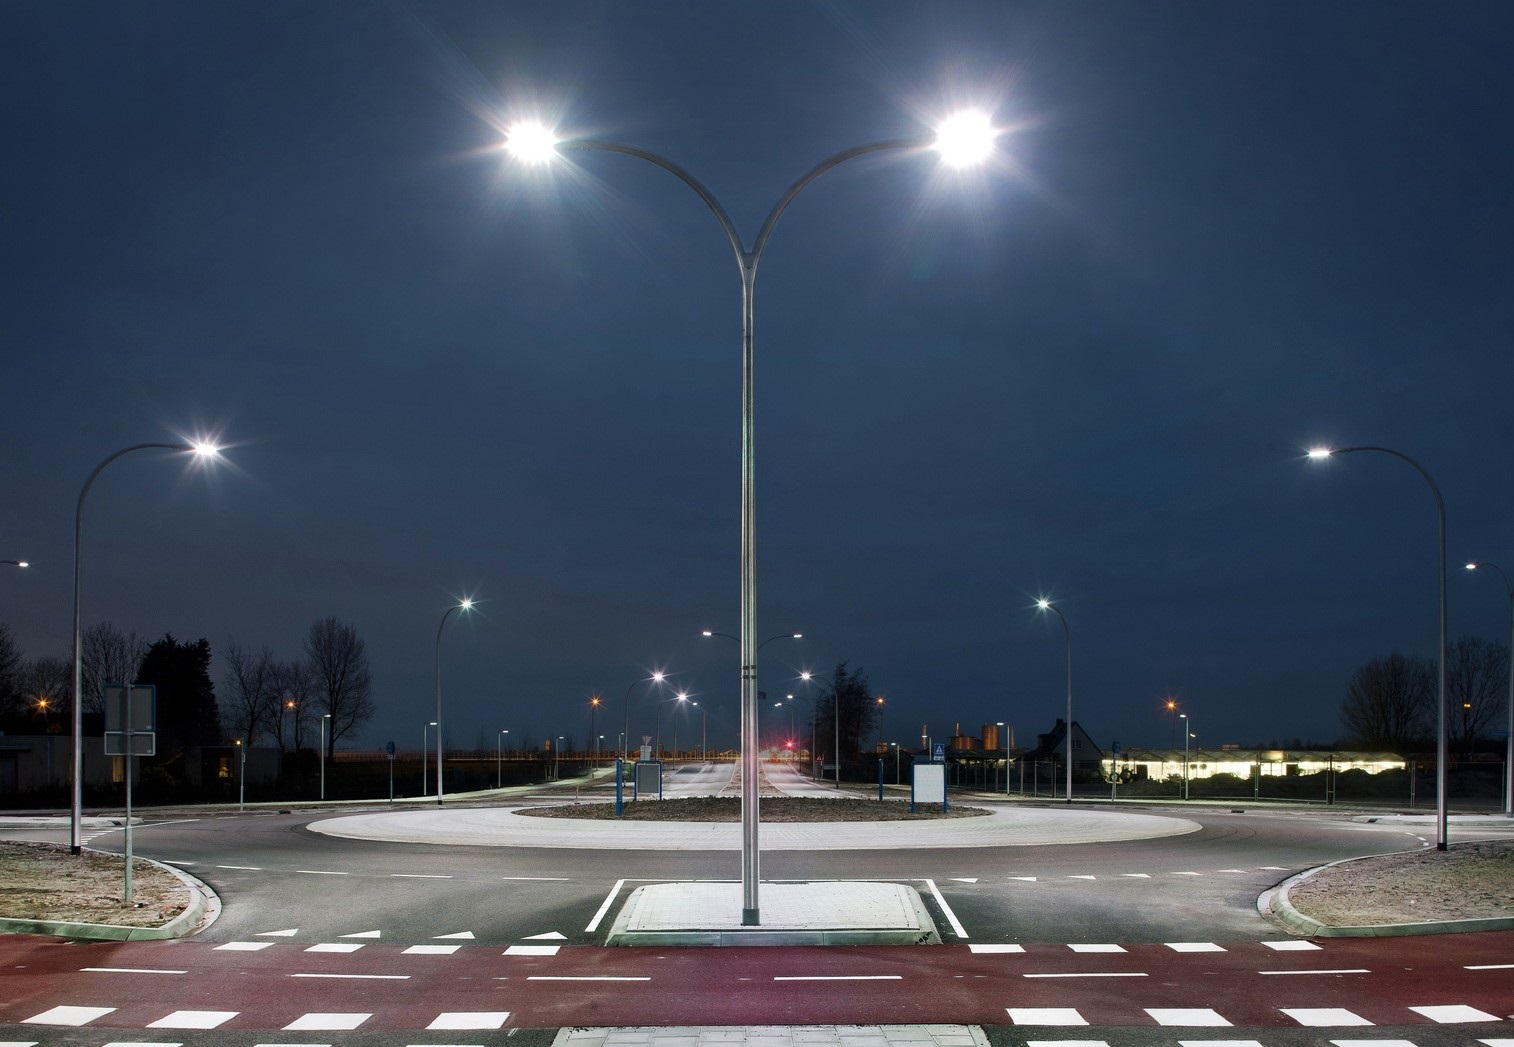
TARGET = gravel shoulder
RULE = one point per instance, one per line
(41, 881)
(1467, 881)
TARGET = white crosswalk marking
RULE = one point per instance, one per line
(243, 946)
(431, 950)
(327, 1021)
(1292, 945)
(1066, 1043)
(1454, 1013)
(1185, 1016)
(336, 947)
(193, 1020)
(1096, 948)
(1194, 947)
(988, 948)
(470, 1020)
(68, 1016)
(1318, 1017)
(1045, 1016)
(532, 950)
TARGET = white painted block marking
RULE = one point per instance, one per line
(965, 879)
(365, 934)
(1316, 1017)
(1136, 876)
(1045, 1016)
(74, 1016)
(1219, 1043)
(532, 950)
(996, 948)
(1187, 874)
(470, 1020)
(1292, 945)
(1185, 1016)
(193, 1020)
(326, 1021)
(1096, 948)
(460, 935)
(1454, 1013)
(1083, 877)
(431, 950)
(18, 1043)
(550, 936)
(336, 947)
(243, 946)
(290, 933)
(1027, 879)
(1195, 947)
(1066, 1043)
(1374, 1043)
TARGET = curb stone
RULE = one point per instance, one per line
(204, 906)
(1275, 906)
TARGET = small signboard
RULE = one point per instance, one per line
(131, 719)
(938, 754)
(928, 784)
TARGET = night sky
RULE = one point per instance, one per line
(1211, 236)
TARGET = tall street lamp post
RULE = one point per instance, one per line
(463, 605)
(1320, 453)
(499, 760)
(593, 738)
(964, 140)
(1047, 605)
(425, 760)
(325, 723)
(202, 452)
(808, 677)
(625, 734)
(1508, 792)
(681, 696)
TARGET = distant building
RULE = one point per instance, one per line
(1160, 764)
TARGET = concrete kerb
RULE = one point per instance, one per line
(1274, 905)
(203, 908)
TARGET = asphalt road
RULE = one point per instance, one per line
(1124, 936)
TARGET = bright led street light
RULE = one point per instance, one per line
(965, 139)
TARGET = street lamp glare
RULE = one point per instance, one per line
(965, 139)
(205, 450)
(1470, 566)
(531, 142)
(1044, 604)
(1319, 453)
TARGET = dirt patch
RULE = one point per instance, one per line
(41, 881)
(1468, 881)
(774, 809)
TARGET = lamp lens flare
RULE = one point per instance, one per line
(966, 138)
(531, 142)
(1044, 604)
(1318, 453)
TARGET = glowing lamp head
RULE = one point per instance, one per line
(22, 563)
(204, 450)
(657, 677)
(1320, 453)
(531, 142)
(965, 139)
(683, 696)
(706, 632)
(1044, 604)
(1470, 566)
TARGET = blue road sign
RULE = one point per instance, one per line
(939, 755)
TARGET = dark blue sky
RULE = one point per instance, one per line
(1213, 235)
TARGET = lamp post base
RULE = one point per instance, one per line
(749, 918)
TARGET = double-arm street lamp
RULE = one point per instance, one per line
(463, 605)
(1321, 453)
(203, 452)
(1046, 605)
(1508, 793)
(963, 140)
(809, 677)
(681, 696)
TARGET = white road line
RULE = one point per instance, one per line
(1454, 1013)
(319, 872)
(957, 927)
(532, 950)
(66, 1015)
(1343, 970)
(587, 978)
(996, 948)
(1091, 974)
(838, 977)
(1096, 948)
(564, 879)
(358, 977)
(604, 907)
(420, 876)
(129, 970)
(1490, 967)
(243, 868)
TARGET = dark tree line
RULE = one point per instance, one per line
(849, 708)
(1391, 702)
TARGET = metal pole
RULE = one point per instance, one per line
(76, 818)
(324, 718)
(242, 779)
(439, 628)
(1508, 792)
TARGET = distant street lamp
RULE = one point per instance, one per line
(15, 563)
(593, 738)
(1187, 734)
(325, 721)
(203, 452)
(1001, 723)
(1441, 783)
(463, 605)
(425, 736)
(1047, 605)
(1508, 792)
(962, 140)
(809, 677)
(681, 696)
(499, 760)
(625, 735)
(241, 777)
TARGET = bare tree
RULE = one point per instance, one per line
(108, 655)
(10, 669)
(47, 686)
(1389, 703)
(252, 704)
(340, 680)
(289, 683)
(1476, 672)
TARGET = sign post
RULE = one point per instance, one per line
(130, 715)
(389, 748)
